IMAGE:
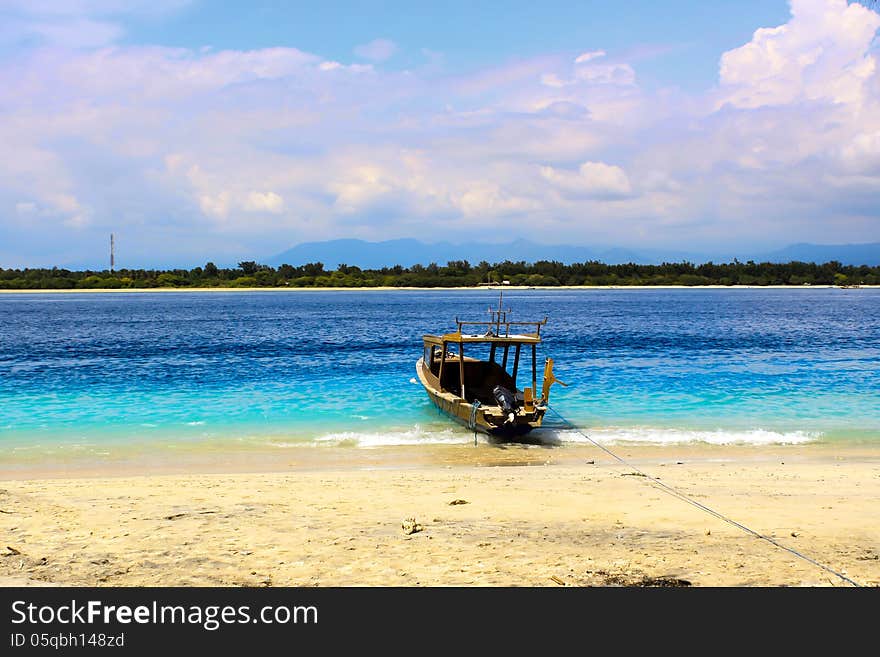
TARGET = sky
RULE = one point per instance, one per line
(197, 130)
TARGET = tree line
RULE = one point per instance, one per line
(457, 273)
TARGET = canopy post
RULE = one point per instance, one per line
(534, 367)
(442, 361)
(516, 363)
(461, 368)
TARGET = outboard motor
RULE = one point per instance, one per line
(506, 401)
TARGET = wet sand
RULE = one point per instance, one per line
(484, 516)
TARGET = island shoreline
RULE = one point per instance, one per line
(435, 289)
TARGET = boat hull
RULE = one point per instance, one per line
(484, 419)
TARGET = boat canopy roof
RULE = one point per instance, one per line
(513, 338)
(497, 330)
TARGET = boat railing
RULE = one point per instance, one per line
(502, 323)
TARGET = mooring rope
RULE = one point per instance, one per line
(681, 496)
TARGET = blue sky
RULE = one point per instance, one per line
(206, 130)
(677, 42)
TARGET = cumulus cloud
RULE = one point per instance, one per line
(591, 180)
(821, 53)
(264, 202)
(588, 70)
(215, 206)
(587, 56)
(377, 50)
(273, 146)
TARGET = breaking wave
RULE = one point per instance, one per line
(606, 436)
(665, 436)
(414, 436)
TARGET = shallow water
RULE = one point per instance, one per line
(91, 375)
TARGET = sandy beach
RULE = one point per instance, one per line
(459, 515)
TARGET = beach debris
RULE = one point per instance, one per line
(558, 580)
(7, 512)
(794, 534)
(410, 526)
(591, 462)
(663, 581)
(632, 474)
(624, 579)
(175, 516)
(11, 551)
(457, 502)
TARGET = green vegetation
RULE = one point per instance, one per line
(454, 274)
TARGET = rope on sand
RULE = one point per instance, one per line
(684, 498)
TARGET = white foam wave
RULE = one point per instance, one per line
(419, 435)
(195, 424)
(415, 436)
(658, 436)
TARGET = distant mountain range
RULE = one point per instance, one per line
(847, 254)
(408, 252)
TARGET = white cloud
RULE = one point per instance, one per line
(489, 200)
(553, 80)
(821, 53)
(377, 50)
(74, 214)
(589, 71)
(592, 180)
(264, 202)
(587, 56)
(362, 186)
(215, 206)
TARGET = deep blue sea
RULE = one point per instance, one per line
(103, 373)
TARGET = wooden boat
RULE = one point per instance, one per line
(472, 377)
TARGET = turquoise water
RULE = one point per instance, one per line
(103, 373)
